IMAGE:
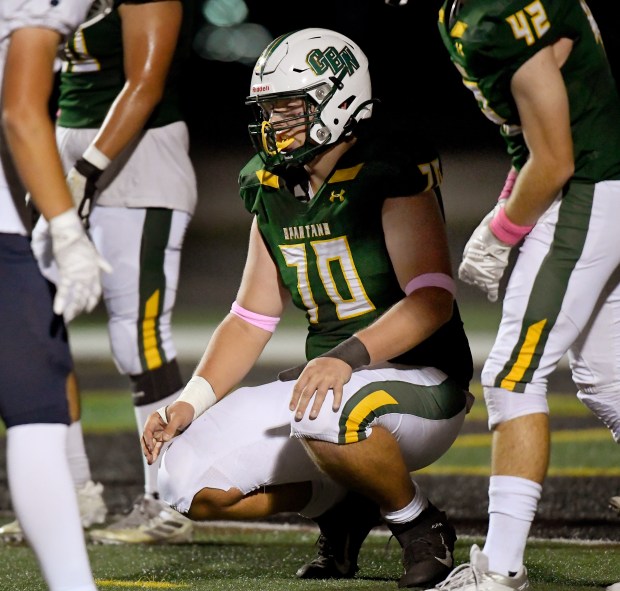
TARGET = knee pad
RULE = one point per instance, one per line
(156, 384)
(503, 405)
(606, 407)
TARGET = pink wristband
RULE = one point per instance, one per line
(509, 183)
(507, 231)
(431, 280)
(267, 323)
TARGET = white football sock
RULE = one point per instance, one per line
(410, 511)
(150, 472)
(45, 503)
(76, 454)
(512, 505)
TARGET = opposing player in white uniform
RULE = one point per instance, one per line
(35, 359)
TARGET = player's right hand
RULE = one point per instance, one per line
(164, 424)
(79, 266)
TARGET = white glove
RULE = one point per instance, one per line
(79, 266)
(485, 258)
(41, 244)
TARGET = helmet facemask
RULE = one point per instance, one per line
(267, 135)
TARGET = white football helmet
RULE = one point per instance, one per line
(325, 69)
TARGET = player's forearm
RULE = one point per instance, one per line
(126, 118)
(33, 146)
(233, 350)
(536, 187)
(407, 324)
(28, 79)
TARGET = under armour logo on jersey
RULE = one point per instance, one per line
(339, 196)
(337, 61)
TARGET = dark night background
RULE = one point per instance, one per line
(410, 68)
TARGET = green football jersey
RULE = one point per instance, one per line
(331, 252)
(489, 40)
(93, 75)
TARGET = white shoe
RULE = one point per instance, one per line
(476, 576)
(149, 522)
(615, 586)
(90, 503)
(614, 503)
(11, 533)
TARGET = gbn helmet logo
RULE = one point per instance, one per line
(320, 61)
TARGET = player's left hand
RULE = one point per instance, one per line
(485, 259)
(318, 377)
(162, 425)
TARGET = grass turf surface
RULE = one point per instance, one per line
(229, 559)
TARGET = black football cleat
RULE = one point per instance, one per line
(428, 546)
(344, 528)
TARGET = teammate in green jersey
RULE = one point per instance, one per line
(540, 71)
(348, 225)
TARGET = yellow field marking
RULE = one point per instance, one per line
(560, 405)
(575, 435)
(141, 584)
(445, 470)
(481, 440)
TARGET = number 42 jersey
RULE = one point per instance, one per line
(489, 40)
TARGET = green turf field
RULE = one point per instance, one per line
(233, 560)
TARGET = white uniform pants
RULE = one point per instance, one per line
(563, 297)
(249, 439)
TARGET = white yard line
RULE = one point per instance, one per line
(286, 345)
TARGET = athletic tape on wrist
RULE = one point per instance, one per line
(199, 394)
(161, 411)
(506, 230)
(431, 280)
(96, 157)
(267, 323)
